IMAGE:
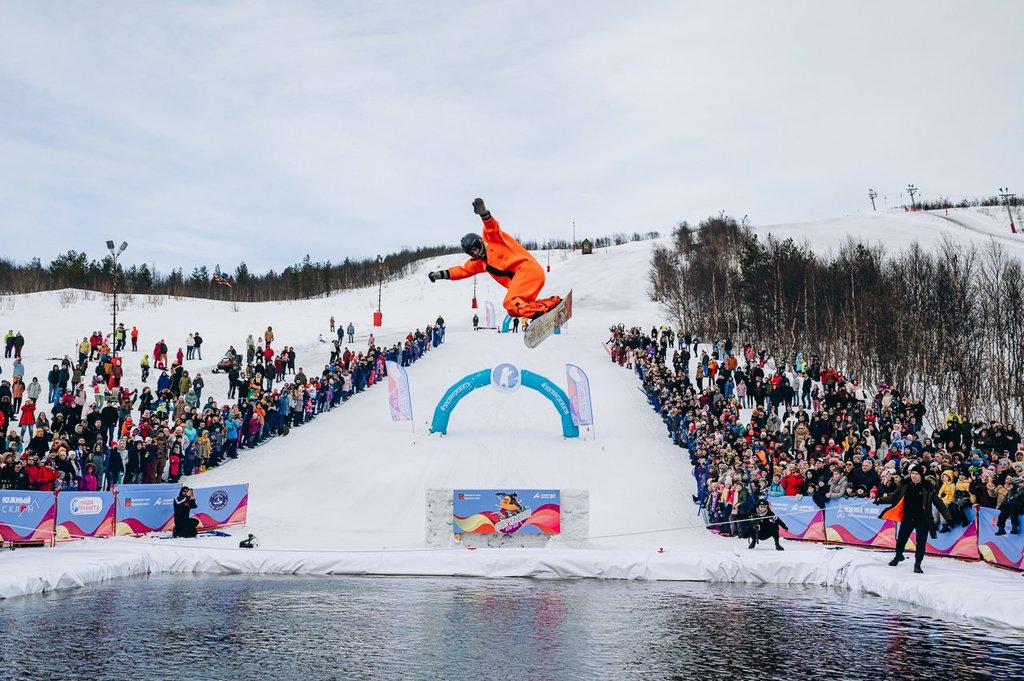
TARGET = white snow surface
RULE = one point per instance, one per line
(345, 494)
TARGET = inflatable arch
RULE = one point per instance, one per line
(506, 325)
(479, 379)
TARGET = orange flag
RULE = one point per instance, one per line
(894, 514)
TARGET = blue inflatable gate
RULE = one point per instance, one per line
(546, 387)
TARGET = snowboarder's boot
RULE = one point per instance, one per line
(531, 309)
(897, 560)
(917, 569)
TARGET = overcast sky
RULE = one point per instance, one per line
(216, 132)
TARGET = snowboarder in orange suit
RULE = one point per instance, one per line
(504, 258)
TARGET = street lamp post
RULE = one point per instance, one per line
(1008, 200)
(113, 254)
(378, 316)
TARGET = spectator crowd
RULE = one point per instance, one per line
(86, 430)
(758, 427)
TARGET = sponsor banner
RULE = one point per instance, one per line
(84, 514)
(221, 506)
(489, 319)
(856, 522)
(27, 516)
(145, 508)
(1007, 550)
(508, 511)
(399, 395)
(960, 542)
(804, 518)
(579, 395)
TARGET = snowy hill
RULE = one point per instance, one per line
(974, 226)
(366, 475)
(345, 494)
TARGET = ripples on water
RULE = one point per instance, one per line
(229, 627)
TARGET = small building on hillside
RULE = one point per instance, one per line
(586, 247)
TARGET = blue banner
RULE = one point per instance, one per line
(1006, 550)
(27, 516)
(221, 506)
(145, 508)
(85, 514)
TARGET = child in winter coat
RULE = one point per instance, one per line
(89, 483)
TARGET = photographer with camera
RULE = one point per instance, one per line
(764, 524)
(184, 524)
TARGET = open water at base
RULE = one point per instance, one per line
(246, 627)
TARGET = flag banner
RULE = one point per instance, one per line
(399, 396)
(579, 395)
(489, 318)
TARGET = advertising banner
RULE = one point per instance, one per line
(145, 508)
(1007, 550)
(221, 506)
(579, 395)
(492, 511)
(856, 522)
(399, 396)
(489, 320)
(804, 518)
(84, 514)
(27, 516)
(960, 542)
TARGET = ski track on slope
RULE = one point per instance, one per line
(352, 480)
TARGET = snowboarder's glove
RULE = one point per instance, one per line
(440, 274)
(480, 209)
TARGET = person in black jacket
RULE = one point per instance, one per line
(911, 507)
(184, 524)
(764, 524)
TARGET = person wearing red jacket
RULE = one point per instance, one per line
(792, 483)
(505, 259)
(41, 477)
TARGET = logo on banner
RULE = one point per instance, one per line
(505, 377)
(16, 504)
(86, 506)
(218, 500)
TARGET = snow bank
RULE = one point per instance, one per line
(39, 571)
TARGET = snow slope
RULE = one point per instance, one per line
(972, 226)
(345, 493)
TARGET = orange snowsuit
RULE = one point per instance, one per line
(513, 267)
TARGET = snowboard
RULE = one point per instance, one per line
(544, 326)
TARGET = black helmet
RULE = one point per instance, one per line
(472, 242)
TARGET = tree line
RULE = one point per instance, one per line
(307, 279)
(945, 324)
